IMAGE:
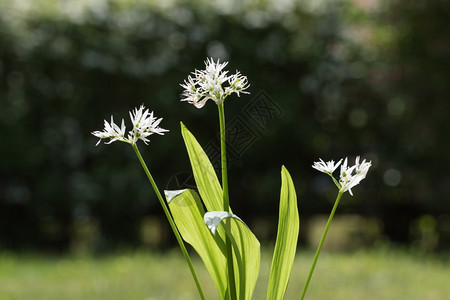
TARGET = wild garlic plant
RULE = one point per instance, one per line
(144, 125)
(349, 178)
(227, 246)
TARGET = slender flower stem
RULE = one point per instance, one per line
(322, 240)
(335, 182)
(170, 219)
(223, 148)
(226, 203)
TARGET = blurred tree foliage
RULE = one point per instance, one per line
(344, 77)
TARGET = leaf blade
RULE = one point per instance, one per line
(287, 237)
(205, 176)
(246, 251)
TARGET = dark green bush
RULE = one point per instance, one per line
(342, 79)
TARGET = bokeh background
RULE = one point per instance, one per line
(340, 77)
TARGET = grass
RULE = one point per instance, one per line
(372, 274)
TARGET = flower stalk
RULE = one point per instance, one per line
(319, 248)
(226, 202)
(223, 156)
(171, 221)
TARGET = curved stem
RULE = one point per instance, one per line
(322, 240)
(226, 202)
(170, 219)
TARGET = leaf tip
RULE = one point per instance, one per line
(212, 219)
(170, 194)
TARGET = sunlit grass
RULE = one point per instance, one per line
(380, 274)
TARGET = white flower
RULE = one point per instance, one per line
(326, 167)
(238, 84)
(208, 84)
(348, 180)
(144, 124)
(349, 176)
(112, 132)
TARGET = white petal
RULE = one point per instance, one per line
(213, 218)
(172, 194)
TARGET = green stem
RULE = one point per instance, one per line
(170, 219)
(226, 202)
(223, 156)
(335, 181)
(322, 240)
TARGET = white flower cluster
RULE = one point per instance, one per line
(326, 167)
(207, 84)
(144, 125)
(349, 177)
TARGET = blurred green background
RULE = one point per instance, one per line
(338, 78)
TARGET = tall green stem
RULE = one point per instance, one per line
(223, 156)
(322, 240)
(226, 202)
(170, 219)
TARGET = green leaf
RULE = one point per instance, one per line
(187, 211)
(205, 176)
(246, 250)
(287, 236)
(245, 246)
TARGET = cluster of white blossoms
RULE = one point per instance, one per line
(144, 125)
(208, 84)
(350, 175)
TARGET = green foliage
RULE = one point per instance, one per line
(246, 253)
(245, 246)
(287, 236)
(205, 176)
(336, 70)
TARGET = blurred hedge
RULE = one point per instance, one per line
(347, 78)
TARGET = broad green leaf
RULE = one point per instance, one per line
(246, 252)
(187, 211)
(287, 235)
(205, 176)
